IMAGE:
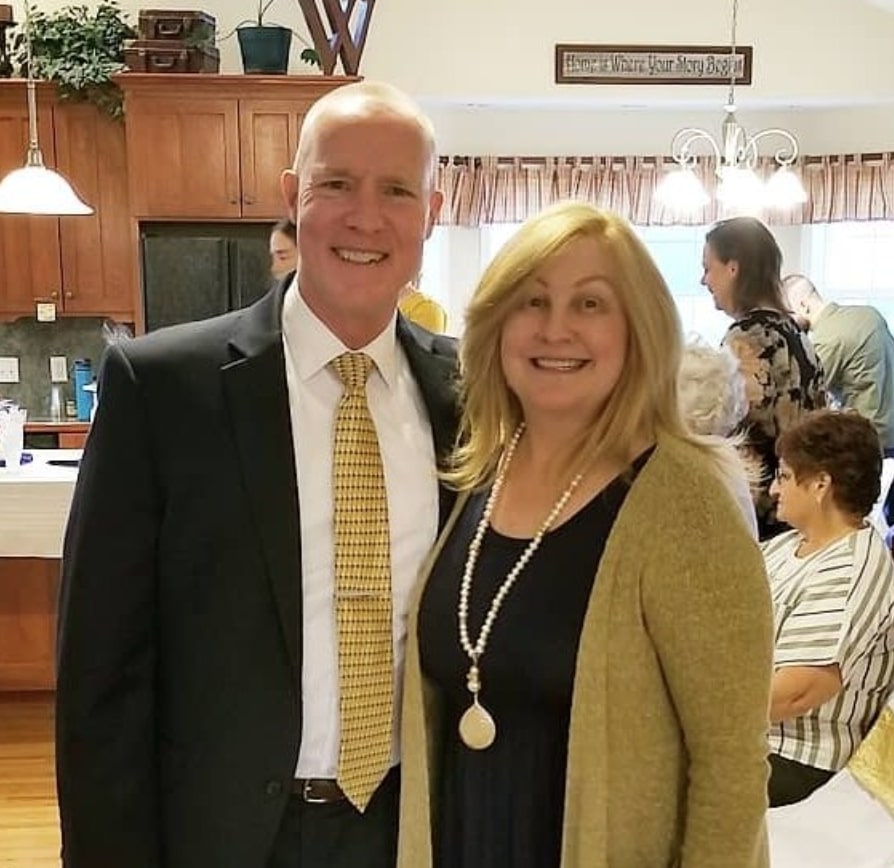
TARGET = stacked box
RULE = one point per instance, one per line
(173, 40)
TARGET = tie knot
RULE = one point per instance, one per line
(353, 369)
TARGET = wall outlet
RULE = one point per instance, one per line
(9, 369)
(58, 369)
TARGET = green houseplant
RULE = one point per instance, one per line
(78, 50)
(265, 47)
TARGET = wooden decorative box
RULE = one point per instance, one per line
(161, 55)
(193, 28)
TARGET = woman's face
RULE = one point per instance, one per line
(796, 502)
(564, 346)
(720, 279)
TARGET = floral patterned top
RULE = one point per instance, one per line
(784, 380)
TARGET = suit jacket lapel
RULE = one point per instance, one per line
(432, 360)
(257, 398)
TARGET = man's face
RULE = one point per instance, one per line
(364, 208)
(283, 254)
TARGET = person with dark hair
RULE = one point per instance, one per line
(832, 582)
(742, 264)
(283, 248)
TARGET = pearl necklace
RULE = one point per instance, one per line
(477, 728)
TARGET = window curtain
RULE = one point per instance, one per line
(489, 189)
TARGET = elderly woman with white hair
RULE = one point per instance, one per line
(713, 401)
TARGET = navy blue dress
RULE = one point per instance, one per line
(503, 806)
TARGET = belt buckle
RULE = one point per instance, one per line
(306, 788)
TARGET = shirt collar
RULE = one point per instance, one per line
(319, 346)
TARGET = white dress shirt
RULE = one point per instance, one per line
(408, 459)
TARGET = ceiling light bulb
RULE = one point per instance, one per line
(681, 191)
(785, 190)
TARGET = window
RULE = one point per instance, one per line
(852, 263)
(455, 258)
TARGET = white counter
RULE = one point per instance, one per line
(34, 504)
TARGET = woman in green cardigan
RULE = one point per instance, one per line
(589, 657)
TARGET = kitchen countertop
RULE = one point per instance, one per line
(49, 425)
(34, 503)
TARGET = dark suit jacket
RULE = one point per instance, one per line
(178, 714)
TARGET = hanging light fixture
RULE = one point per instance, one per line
(35, 189)
(739, 190)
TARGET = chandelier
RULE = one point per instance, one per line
(35, 189)
(739, 189)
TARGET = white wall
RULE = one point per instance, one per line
(484, 69)
(584, 131)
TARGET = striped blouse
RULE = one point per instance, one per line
(833, 606)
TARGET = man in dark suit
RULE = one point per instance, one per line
(198, 690)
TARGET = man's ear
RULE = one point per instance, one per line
(435, 201)
(288, 183)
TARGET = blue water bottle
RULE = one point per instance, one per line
(83, 376)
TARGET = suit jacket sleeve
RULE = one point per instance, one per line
(106, 702)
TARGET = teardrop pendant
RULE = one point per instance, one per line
(476, 727)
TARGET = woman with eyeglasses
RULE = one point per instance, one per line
(832, 583)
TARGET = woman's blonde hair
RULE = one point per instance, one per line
(644, 401)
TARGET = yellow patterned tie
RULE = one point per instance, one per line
(362, 589)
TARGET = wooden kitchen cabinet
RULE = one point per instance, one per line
(85, 265)
(28, 591)
(268, 138)
(214, 146)
(98, 253)
(185, 154)
(30, 266)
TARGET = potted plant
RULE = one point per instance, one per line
(79, 51)
(265, 47)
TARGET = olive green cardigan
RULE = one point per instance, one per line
(667, 743)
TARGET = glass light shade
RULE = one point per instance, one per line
(681, 191)
(38, 190)
(740, 190)
(785, 190)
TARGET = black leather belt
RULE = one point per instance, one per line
(317, 791)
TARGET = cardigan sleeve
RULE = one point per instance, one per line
(707, 605)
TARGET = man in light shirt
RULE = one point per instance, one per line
(857, 351)
(198, 687)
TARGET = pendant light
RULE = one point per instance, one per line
(739, 190)
(35, 189)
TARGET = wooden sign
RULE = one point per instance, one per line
(651, 64)
(345, 36)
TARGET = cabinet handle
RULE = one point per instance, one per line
(54, 295)
(69, 294)
(248, 200)
(234, 200)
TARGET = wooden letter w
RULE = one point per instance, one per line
(348, 26)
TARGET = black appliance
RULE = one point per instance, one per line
(193, 271)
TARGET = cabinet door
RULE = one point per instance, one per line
(28, 591)
(98, 252)
(184, 157)
(268, 132)
(29, 246)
